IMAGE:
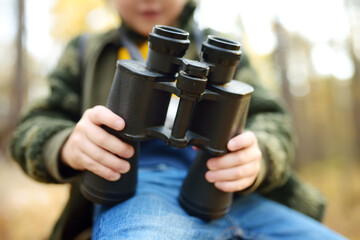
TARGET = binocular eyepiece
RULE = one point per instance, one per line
(166, 45)
(212, 109)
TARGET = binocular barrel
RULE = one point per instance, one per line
(166, 44)
(211, 110)
(223, 55)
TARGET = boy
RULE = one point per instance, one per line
(55, 143)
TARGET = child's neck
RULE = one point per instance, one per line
(132, 35)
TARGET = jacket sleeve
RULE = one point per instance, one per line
(268, 119)
(40, 134)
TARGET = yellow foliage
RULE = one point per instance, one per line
(70, 18)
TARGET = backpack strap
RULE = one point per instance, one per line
(130, 46)
(83, 40)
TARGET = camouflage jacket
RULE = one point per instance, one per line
(76, 86)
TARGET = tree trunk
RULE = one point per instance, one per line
(18, 85)
(281, 59)
(353, 8)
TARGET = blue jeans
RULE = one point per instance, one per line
(154, 213)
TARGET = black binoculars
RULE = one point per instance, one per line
(212, 108)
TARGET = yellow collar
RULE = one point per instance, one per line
(123, 53)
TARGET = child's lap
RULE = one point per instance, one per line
(154, 213)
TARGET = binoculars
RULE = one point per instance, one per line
(212, 108)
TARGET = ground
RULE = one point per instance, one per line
(28, 209)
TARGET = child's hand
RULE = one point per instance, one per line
(238, 169)
(90, 147)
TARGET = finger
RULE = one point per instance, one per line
(109, 142)
(235, 186)
(99, 169)
(241, 141)
(104, 157)
(101, 115)
(234, 159)
(234, 173)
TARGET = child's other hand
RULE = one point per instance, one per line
(90, 147)
(238, 169)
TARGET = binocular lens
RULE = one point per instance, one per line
(171, 32)
(166, 45)
(216, 50)
(223, 55)
(169, 40)
(223, 43)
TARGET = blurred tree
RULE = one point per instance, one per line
(320, 104)
(69, 19)
(353, 10)
(19, 84)
(281, 59)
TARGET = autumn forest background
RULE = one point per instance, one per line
(306, 51)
